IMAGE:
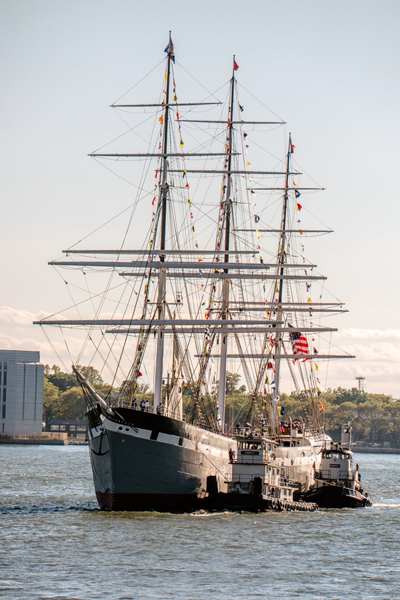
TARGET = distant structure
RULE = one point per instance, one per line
(73, 427)
(21, 392)
(360, 383)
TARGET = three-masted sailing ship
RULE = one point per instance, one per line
(192, 302)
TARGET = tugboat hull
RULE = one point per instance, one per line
(253, 503)
(335, 496)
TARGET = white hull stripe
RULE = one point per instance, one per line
(163, 438)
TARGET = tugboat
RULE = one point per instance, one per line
(337, 484)
(259, 481)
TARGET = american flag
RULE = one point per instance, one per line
(299, 343)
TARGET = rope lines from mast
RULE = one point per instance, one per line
(191, 221)
(140, 81)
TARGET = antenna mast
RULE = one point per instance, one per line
(360, 383)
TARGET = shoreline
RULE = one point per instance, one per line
(73, 442)
(42, 441)
(357, 449)
(33, 441)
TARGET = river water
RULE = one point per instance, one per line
(55, 544)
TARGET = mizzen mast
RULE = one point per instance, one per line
(279, 313)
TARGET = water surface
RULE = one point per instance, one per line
(56, 545)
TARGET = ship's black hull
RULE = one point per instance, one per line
(184, 503)
(335, 496)
(173, 503)
(143, 461)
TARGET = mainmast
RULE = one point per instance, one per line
(279, 314)
(225, 284)
(162, 273)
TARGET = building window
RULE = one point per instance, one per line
(62, 428)
(54, 428)
(4, 412)
(4, 394)
(72, 427)
(5, 375)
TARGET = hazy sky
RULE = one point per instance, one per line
(330, 69)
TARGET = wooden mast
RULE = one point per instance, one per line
(282, 261)
(225, 284)
(162, 272)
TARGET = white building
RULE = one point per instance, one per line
(21, 392)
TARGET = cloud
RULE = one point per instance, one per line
(377, 358)
(13, 316)
(9, 342)
(371, 334)
(377, 352)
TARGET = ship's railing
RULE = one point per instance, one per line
(244, 479)
(295, 431)
(161, 410)
(250, 432)
(259, 431)
(284, 482)
(315, 433)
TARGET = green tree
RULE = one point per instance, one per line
(92, 375)
(232, 382)
(336, 416)
(375, 418)
(72, 404)
(51, 401)
(63, 381)
(291, 405)
(64, 398)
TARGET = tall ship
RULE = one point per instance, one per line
(217, 283)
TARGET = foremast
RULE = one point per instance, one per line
(162, 273)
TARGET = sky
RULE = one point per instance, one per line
(330, 70)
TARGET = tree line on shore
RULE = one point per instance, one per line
(375, 417)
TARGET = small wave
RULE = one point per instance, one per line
(4, 510)
(385, 505)
(204, 513)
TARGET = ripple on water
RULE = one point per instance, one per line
(55, 544)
